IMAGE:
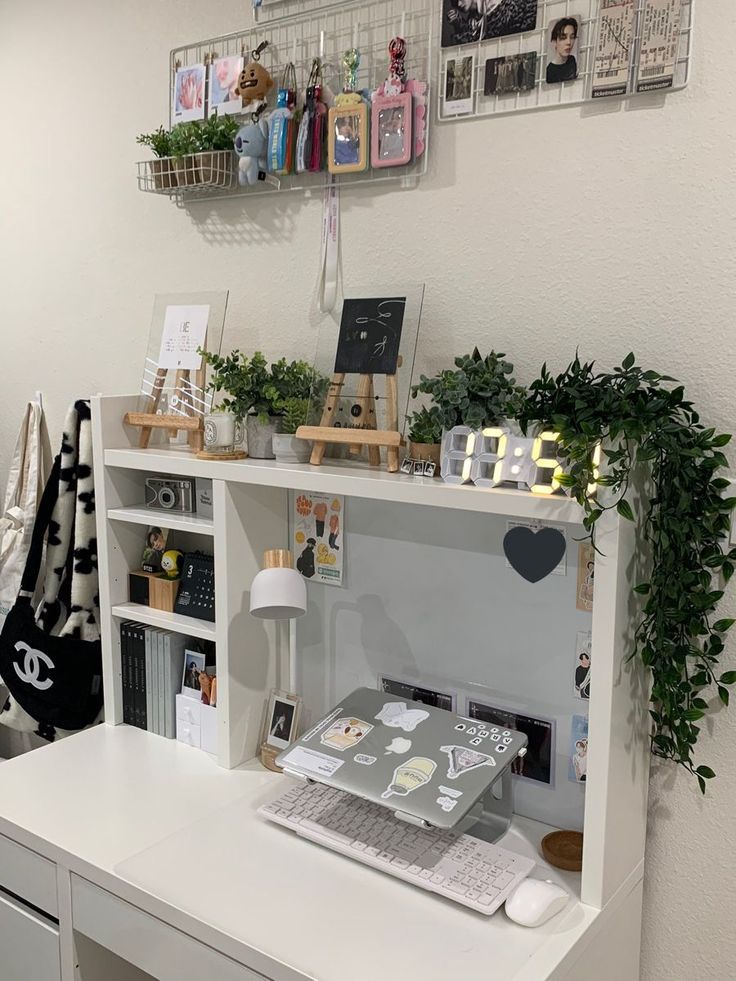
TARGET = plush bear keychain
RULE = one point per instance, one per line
(254, 82)
(251, 144)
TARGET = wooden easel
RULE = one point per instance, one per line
(185, 383)
(368, 435)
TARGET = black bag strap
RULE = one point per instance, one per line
(41, 524)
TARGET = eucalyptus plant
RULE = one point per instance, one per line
(478, 392)
(640, 419)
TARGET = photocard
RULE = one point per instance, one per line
(459, 81)
(563, 41)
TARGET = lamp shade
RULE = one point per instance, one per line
(278, 592)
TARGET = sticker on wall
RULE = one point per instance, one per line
(586, 572)
(319, 536)
(447, 804)
(345, 733)
(398, 716)
(399, 745)
(578, 768)
(534, 550)
(364, 759)
(449, 792)
(408, 776)
(321, 724)
(581, 683)
(462, 760)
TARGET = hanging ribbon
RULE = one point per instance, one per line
(330, 246)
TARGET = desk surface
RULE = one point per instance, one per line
(163, 827)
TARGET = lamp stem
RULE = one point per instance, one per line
(291, 627)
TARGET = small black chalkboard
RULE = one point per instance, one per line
(370, 334)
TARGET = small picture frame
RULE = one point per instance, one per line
(348, 139)
(429, 468)
(194, 665)
(391, 130)
(407, 465)
(282, 718)
(419, 468)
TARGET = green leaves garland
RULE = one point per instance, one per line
(638, 418)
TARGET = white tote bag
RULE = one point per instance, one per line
(26, 481)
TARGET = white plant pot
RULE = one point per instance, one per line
(288, 449)
(260, 436)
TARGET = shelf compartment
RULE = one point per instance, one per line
(202, 629)
(172, 520)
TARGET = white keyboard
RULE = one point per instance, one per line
(459, 867)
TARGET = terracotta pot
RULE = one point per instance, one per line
(425, 451)
(187, 171)
(164, 176)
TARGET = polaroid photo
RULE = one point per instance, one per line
(459, 85)
(563, 45)
(427, 696)
(470, 21)
(418, 468)
(512, 74)
(538, 763)
(189, 94)
(407, 465)
(429, 468)
(224, 74)
(282, 718)
(194, 665)
(578, 765)
(581, 683)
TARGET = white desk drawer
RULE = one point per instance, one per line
(29, 876)
(187, 710)
(29, 945)
(146, 942)
(189, 734)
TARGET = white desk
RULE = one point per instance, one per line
(161, 857)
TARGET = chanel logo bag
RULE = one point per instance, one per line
(51, 662)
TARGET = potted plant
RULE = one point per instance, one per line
(164, 176)
(286, 447)
(186, 141)
(216, 144)
(425, 435)
(477, 392)
(259, 393)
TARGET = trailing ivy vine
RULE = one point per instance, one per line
(639, 418)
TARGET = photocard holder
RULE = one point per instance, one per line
(348, 123)
(392, 114)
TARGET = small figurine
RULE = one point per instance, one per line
(251, 144)
(254, 82)
(171, 563)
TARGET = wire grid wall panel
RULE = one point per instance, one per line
(328, 31)
(544, 96)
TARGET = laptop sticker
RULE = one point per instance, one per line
(365, 759)
(449, 792)
(398, 716)
(399, 745)
(346, 733)
(462, 760)
(416, 772)
(321, 724)
(447, 804)
(314, 762)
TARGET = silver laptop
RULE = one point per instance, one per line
(417, 760)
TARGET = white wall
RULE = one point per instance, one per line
(607, 230)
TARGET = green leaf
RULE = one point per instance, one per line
(721, 626)
(624, 509)
(692, 715)
(705, 772)
(628, 362)
(728, 678)
(723, 694)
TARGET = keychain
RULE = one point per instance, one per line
(399, 111)
(348, 123)
(254, 82)
(283, 126)
(310, 145)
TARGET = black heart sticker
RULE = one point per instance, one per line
(534, 555)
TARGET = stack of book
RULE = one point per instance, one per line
(153, 667)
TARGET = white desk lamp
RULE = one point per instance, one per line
(278, 592)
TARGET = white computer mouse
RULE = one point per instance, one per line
(534, 901)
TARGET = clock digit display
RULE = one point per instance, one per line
(548, 467)
(488, 463)
(458, 450)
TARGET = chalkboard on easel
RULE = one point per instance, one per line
(370, 335)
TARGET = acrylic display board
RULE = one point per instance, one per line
(373, 332)
(306, 31)
(174, 377)
(499, 75)
(429, 599)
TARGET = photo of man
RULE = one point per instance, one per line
(563, 65)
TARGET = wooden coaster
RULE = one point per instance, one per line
(234, 455)
(268, 758)
(564, 850)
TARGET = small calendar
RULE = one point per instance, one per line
(197, 590)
